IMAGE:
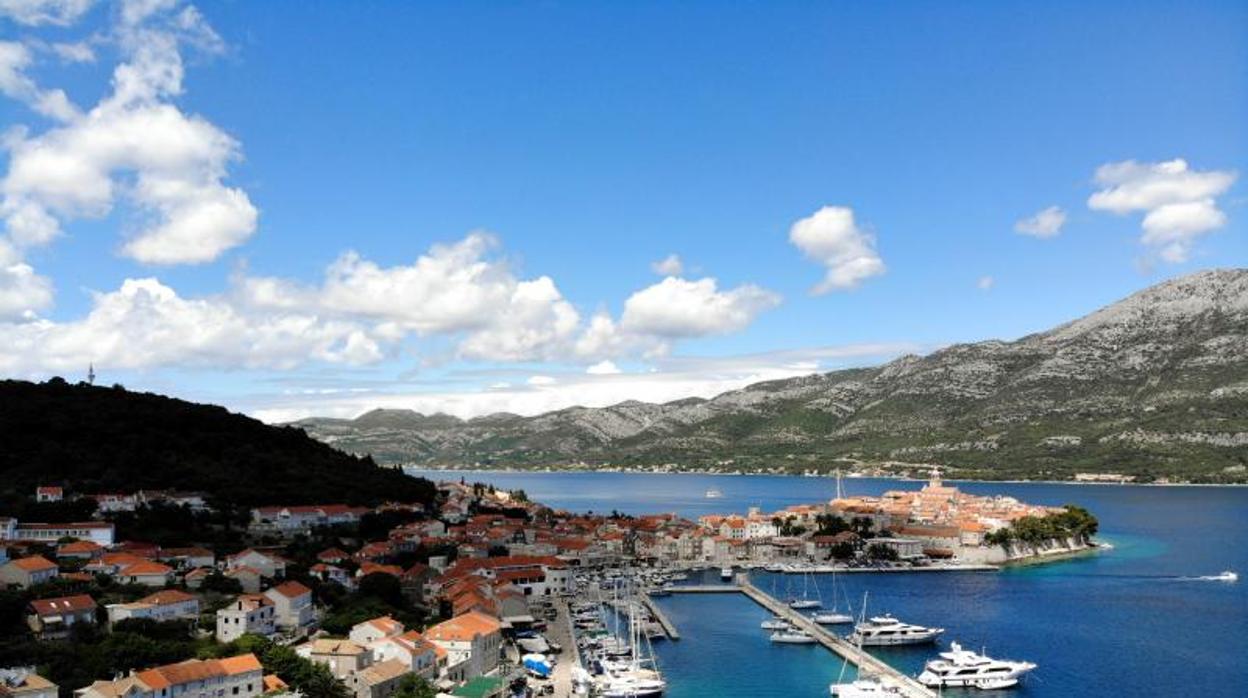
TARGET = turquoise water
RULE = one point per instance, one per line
(1133, 621)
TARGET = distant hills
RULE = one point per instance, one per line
(97, 439)
(1154, 386)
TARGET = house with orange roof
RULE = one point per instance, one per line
(49, 494)
(147, 573)
(79, 550)
(236, 677)
(474, 638)
(53, 619)
(248, 614)
(164, 605)
(375, 629)
(26, 572)
(417, 654)
(292, 603)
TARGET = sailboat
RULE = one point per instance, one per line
(866, 685)
(638, 677)
(832, 617)
(806, 601)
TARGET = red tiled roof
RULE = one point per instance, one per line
(63, 604)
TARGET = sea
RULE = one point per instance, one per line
(1142, 618)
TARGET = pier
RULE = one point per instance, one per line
(660, 616)
(705, 589)
(866, 663)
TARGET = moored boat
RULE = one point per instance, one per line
(966, 669)
(884, 630)
(792, 636)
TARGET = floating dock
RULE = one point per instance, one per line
(866, 663)
(660, 616)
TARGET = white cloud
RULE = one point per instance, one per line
(670, 265)
(831, 237)
(676, 307)
(985, 283)
(1044, 224)
(145, 324)
(76, 52)
(135, 147)
(22, 292)
(1179, 202)
(453, 289)
(15, 59)
(605, 367)
(36, 12)
(541, 381)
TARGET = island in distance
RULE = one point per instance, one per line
(1153, 388)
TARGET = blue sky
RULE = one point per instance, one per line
(591, 140)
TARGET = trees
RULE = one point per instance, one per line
(309, 678)
(1074, 522)
(413, 686)
(881, 552)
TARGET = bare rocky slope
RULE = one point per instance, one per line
(1154, 386)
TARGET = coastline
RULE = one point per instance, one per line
(629, 471)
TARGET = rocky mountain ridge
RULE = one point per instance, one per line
(1155, 386)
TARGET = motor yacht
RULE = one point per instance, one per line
(725, 573)
(887, 630)
(865, 687)
(963, 668)
(831, 617)
(774, 624)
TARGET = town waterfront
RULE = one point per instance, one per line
(1134, 620)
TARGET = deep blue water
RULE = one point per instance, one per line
(1130, 621)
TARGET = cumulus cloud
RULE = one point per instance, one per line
(1044, 224)
(75, 52)
(135, 146)
(985, 283)
(458, 288)
(676, 307)
(22, 292)
(36, 12)
(146, 324)
(832, 238)
(670, 265)
(606, 367)
(1179, 203)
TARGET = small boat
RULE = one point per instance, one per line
(963, 668)
(792, 636)
(884, 630)
(806, 601)
(714, 494)
(866, 687)
(831, 618)
(774, 624)
(725, 573)
(1227, 576)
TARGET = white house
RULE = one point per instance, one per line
(267, 564)
(248, 614)
(98, 532)
(292, 603)
(235, 677)
(412, 649)
(147, 573)
(474, 637)
(26, 572)
(375, 629)
(168, 604)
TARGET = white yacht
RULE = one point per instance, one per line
(774, 624)
(714, 494)
(866, 685)
(887, 630)
(725, 573)
(792, 636)
(963, 668)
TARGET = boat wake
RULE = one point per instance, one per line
(1227, 576)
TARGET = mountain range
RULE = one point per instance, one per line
(1154, 386)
